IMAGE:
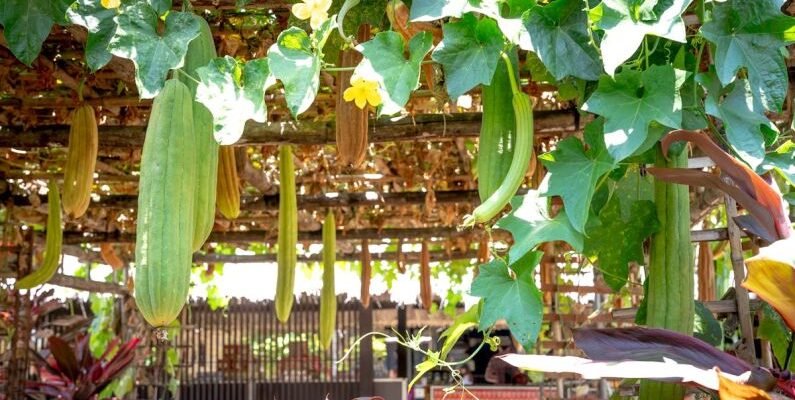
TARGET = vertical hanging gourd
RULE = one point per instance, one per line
(166, 207)
(200, 51)
(523, 154)
(52, 249)
(328, 294)
(81, 159)
(288, 234)
(497, 129)
(426, 296)
(351, 121)
(670, 273)
(228, 194)
(366, 275)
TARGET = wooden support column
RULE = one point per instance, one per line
(366, 373)
(706, 273)
(747, 351)
(403, 367)
(18, 360)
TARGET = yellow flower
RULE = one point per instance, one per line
(362, 92)
(316, 11)
(111, 3)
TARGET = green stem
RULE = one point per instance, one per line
(509, 65)
(179, 70)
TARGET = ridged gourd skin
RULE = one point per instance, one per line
(328, 294)
(200, 51)
(522, 156)
(288, 234)
(166, 207)
(497, 129)
(81, 159)
(54, 238)
(426, 296)
(228, 194)
(366, 274)
(670, 273)
(351, 121)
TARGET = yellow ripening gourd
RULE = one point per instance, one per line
(228, 194)
(426, 296)
(81, 159)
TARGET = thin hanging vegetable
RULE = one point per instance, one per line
(52, 249)
(228, 194)
(366, 274)
(328, 295)
(425, 277)
(288, 234)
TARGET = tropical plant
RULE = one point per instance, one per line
(71, 372)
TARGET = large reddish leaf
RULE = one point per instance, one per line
(651, 344)
(765, 226)
(771, 275)
(65, 357)
(744, 177)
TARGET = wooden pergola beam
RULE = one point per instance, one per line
(73, 282)
(420, 127)
(260, 236)
(271, 202)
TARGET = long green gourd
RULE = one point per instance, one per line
(523, 152)
(288, 234)
(670, 295)
(166, 207)
(52, 249)
(328, 294)
(200, 51)
(497, 130)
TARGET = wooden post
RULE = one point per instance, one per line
(18, 360)
(747, 351)
(366, 373)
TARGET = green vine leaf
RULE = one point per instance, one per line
(631, 101)
(626, 23)
(99, 22)
(295, 59)
(616, 238)
(530, 224)
(385, 63)
(430, 10)
(749, 34)
(783, 161)
(27, 23)
(742, 114)
(469, 53)
(559, 34)
(570, 162)
(234, 93)
(517, 300)
(160, 6)
(153, 55)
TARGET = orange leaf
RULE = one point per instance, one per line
(730, 390)
(771, 275)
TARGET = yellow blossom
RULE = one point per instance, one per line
(362, 92)
(316, 11)
(111, 3)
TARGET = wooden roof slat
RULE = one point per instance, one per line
(420, 127)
